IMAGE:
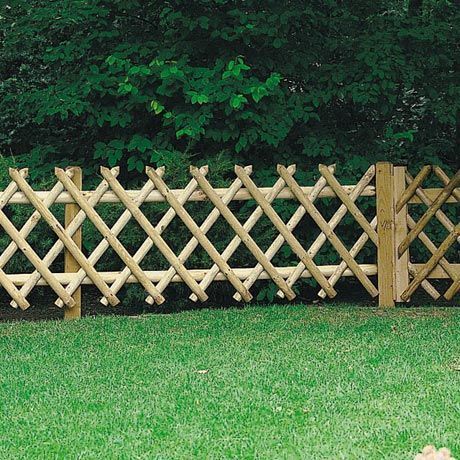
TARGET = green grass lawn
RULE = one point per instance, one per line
(261, 382)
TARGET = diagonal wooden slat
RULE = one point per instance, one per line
(204, 227)
(32, 221)
(331, 236)
(444, 178)
(349, 203)
(104, 245)
(148, 243)
(440, 215)
(289, 237)
(25, 231)
(426, 285)
(291, 225)
(11, 189)
(5, 281)
(430, 212)
(413, 186)
(431, 264)
(103, 228)
(354, 251)
(242, 233)
(58, 246)
(333, 222)
(453, 289)
(236, 241)
(199, 235)
(32, 256)
(58, 229)
(445, 221)
(12, 290)
(432, 248)
(160, 243)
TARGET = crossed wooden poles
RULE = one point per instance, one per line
(417, 231)
(132, 204)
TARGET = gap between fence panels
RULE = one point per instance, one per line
(393, 231)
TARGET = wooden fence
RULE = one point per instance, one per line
(392, 230)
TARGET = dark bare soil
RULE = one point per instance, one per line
(43, 307)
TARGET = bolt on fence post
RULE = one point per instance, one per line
(70, 264)
(386, 233)
(401, 272)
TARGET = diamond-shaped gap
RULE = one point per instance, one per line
(18, 215)
(154, 260)
(306, 233)
(41, 238)
(110, 261)
(176, 235)
(435, 231)
(263, 233)
(218, 235)
(133, 236)
(349, 231)
(452, 212)
(285, 257)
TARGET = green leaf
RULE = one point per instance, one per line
(117, 144)
(157, 107)
(273, 81)
(258, 92)
(184, 132)
(139, 143)
(241, 144)
(237, 101)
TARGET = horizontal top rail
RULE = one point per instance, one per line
(198, 195)
(155, 196)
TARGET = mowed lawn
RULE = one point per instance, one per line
(275, 382)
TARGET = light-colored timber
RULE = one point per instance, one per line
(390, 232)
(70, 263)
(401, 269)
(241, 232)
(386, 232)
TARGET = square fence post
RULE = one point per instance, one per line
(70, 264)
(401, 272)
(386, 233)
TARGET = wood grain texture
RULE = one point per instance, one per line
(401, 269)
(392, 230)
(71, 265)
(385, 231)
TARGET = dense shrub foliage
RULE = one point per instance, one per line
(130, 83)
(134, 82)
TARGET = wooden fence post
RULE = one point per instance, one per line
(70, 264)
(386, 235)
(401, 272)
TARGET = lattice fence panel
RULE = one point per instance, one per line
(441, 210)
(155, 189)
